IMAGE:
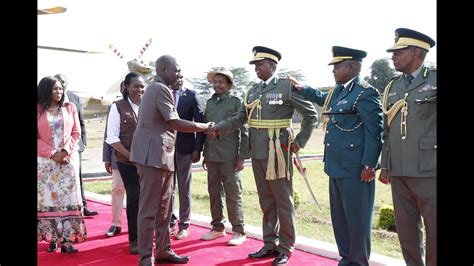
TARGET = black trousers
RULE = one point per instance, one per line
(132, 188)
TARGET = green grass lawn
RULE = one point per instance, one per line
(310, 222)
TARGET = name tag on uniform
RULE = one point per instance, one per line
(343, 101)
(392, 94)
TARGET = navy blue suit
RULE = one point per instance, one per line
(352, 140)
(190, 109)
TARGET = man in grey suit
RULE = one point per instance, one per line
(409, 149)
(82, 141)
(152, 151)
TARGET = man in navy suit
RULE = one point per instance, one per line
(188, 151)
(353, 123)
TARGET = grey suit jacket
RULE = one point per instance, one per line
(154, 140)
(414, 156)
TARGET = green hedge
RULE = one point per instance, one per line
(387, 218)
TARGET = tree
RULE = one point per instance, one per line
(380, 74)
(202, 88)
(242, 81)
(297, 74)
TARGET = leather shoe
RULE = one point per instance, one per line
(263, 253)
(281, 259)
(133, 247)
(172, 259)
(52, 247)
(68, 249)
(88, 212)
(113, 231)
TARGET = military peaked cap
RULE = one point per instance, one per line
(261, 52)
(406, 37)
(342, 53)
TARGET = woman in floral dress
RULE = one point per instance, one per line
(60, 217)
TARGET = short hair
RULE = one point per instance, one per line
(164, 61)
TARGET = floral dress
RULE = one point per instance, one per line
(60, 217)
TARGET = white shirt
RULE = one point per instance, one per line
(268, 80)
(349, 82)
(113, 122)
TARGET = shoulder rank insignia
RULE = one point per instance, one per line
(364, 84)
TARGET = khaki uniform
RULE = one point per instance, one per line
(221, 154)
(409, 154)
(268, 119)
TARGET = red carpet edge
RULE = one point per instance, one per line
(313, 246)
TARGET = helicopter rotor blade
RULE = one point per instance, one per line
(68, 50)
(144, 48)
(52, 10)
(116, 51)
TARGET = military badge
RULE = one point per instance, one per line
(427, 87)
(364, 84)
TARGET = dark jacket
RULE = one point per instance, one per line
(75, 100)
(190, 109)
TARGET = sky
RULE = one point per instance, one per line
(203, 34)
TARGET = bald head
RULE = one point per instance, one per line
(168, 69)
(164, 61)
(61, 79)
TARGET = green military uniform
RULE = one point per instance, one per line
(221, 154)
(270, 110)
(409, 153)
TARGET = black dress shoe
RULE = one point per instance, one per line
(133, 247)
(173, 259)
(68, 249)
(113, 231)
(281, 259)
(263, 253)
(88, 212)
(52, 247)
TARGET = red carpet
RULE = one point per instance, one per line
(99, 250)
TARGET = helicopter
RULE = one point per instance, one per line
(134, 65)
(97, 105)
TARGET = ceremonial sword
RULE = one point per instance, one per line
(301, 170)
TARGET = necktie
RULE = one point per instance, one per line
(338, 90)
(174, 96)
(408, 80)
(264, 85)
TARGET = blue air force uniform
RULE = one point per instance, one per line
(353, 122)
